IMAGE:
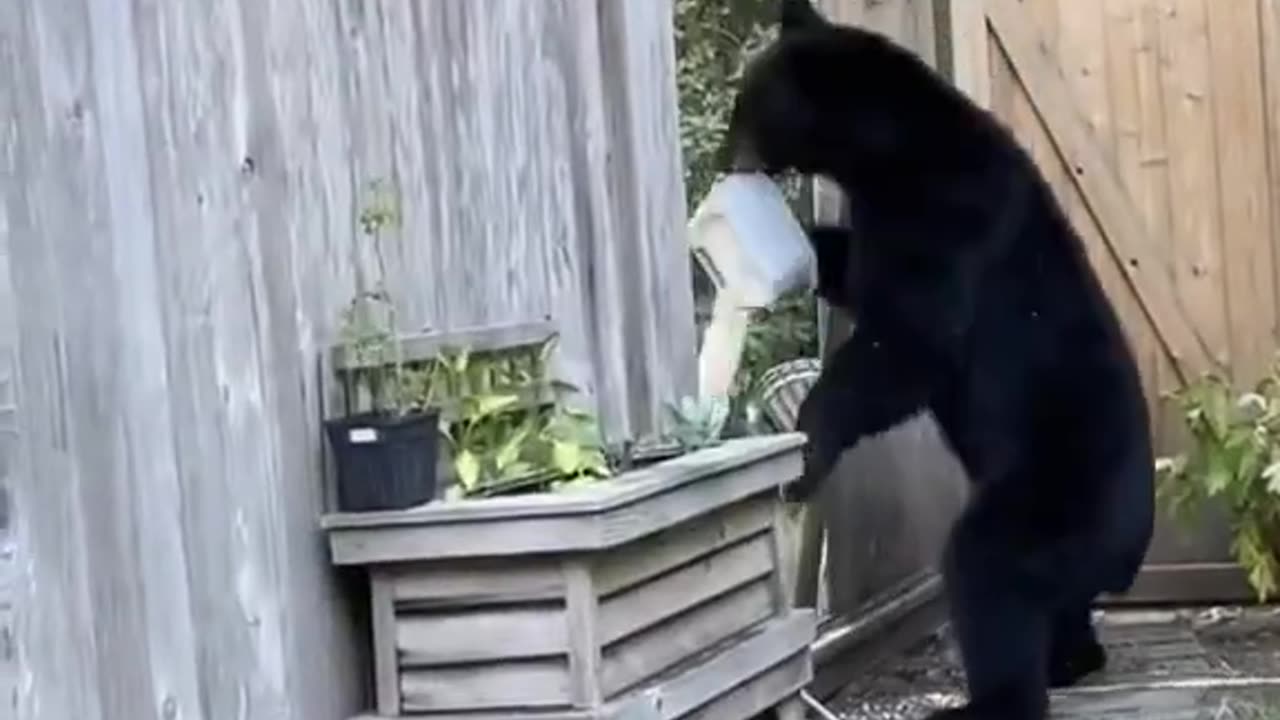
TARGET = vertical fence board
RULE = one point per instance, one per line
(181, 180)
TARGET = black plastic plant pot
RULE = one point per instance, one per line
(385, 461)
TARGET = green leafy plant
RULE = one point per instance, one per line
(577, 449)
(714, 41)
(369, 327)
(504, 434)
(697, 422)
(486, 442)
(1233, 459)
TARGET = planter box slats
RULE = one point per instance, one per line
(690, 588)
(774, 663)
(487, 581)
(459, 637)
(369, 546)
(702, 580)
(690, 688)
(655, 597)
(642, 656)
(756, 696)
(515, 684)
(680, 545)
(523, 714)
(594, 518)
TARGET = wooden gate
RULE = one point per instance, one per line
(1156, 122)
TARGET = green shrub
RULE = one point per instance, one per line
(1233, 459)
(714, 38)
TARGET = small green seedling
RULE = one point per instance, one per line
(697, 422)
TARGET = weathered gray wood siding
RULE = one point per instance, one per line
(9, 587)
(179, 183)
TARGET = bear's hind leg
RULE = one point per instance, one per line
(1003, 629)
(1074, 650)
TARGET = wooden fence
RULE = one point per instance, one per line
(10, 671)
(1158, 124)
(179, 184)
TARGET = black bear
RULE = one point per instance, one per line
(973, 299)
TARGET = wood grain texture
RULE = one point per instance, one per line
(386, 642)
(970, 50)
(180, 187)
(606, 515)
(582, 618)
(461, 636)
(772, 665)
(1137, 141)
(528, 714)
(1244, 185)
(765, 648)
(616, 618)
(1179, 98)
(647, 653)
(699, 582)
(529, 684)
(1187, 88)
(1269, 29)
(10, 573)
(638, 562)
(1093, 173)
(480, 582)
(638, 60)
(786, 678)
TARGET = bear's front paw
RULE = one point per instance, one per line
(800, 490)
(817, 465)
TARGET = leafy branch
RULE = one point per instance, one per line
(1233, 458)
(714, 41)
(369, 322)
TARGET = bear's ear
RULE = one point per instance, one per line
(799, 15)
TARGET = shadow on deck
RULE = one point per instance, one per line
(1215, 664)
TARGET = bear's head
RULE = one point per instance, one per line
(827, 99)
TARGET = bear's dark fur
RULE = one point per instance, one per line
(974, 300)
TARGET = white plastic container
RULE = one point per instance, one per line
(754, 250)
(745, 237)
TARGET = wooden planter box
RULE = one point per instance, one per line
(655, 596)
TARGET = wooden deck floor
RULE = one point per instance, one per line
(1216, 664)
